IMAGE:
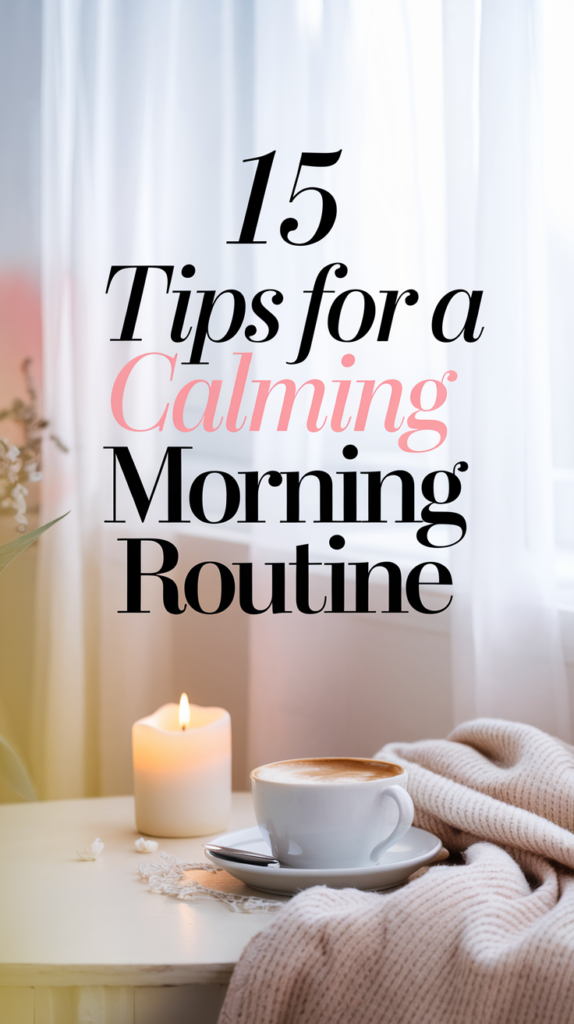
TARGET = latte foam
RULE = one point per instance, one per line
(327, 770)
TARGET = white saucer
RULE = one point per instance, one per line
(417, 847)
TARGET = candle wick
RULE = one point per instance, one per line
(183, 728)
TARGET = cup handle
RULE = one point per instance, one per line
(406, 815)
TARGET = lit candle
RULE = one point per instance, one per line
(182, 770)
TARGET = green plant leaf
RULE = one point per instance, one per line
(11, 550)
(13, 772)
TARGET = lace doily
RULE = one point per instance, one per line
(171, 877)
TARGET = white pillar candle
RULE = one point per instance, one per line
(182, 774)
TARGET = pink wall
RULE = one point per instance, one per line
(20, 337)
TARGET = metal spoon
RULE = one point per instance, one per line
(243, 856)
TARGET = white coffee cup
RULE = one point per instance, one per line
(331, 812)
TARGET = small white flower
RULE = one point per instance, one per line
(91, 852)
(13, 452)
(33, 472)
(146, 845)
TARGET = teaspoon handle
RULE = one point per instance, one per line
(242, 856)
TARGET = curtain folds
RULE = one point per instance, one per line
(149, 110)
(507, 653)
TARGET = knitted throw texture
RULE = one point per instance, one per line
(488, 941)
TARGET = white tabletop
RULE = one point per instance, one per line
(69, 922)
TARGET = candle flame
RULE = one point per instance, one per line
(184, 715)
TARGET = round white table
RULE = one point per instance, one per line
(85, 941)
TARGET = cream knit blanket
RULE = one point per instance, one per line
(486, 941)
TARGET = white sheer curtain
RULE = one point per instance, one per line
(149, 109)
(135, 165)
(507, 651)
(367, 78)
